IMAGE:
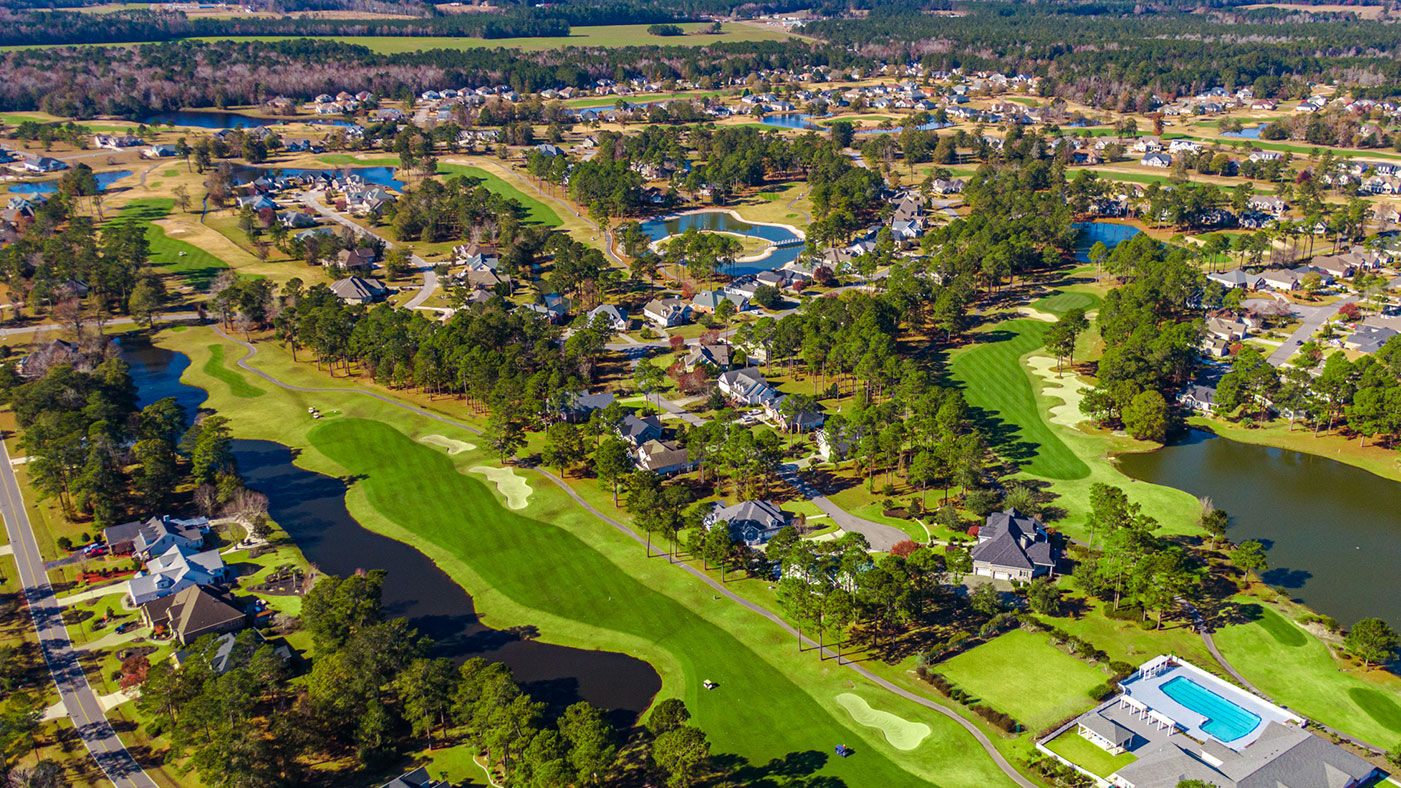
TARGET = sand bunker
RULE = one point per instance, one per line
(510, 484)
(1037, 314)
(450, 445)
(900, 732)
(1064, 386)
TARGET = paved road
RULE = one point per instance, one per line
(171, 317)
(77, 695)
(1313, 318)
(430, 277)
(881, 537)
(715, 585)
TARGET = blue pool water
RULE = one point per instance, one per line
(1225, 721)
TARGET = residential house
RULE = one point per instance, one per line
(418, 778)
(579, 407)
(707, 301)
(716, 356)
(1198, 397)
(663, 457)
(751, 522)
(358, 260)
(359, 290)
(1282, 280)
(799, 420)
(1156, 160)
(1012, 546)
(553, 307)
(667, 312)
(746, 386)
(1368, 338)
(221, 655)
(1268, 203)
(615, 317)
(295, 220)
(174, 571)
(637, 430)
(115, 141)
(155, 536)
(34, 365)
(1227, 328)
(1236, 278)
(193, 612)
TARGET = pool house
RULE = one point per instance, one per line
(1172, 721)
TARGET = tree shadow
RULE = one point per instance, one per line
(1282, 577)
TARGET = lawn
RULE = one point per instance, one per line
(999, 389)
(1299, 671)
(535, 210)
(1001, 674)
(1066, 300)
(238, 385)
(422, 496)
(1075, 748)
(582, 36)
(196, 267)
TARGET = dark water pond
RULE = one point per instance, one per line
(1333, 531)
(1109, 233)
(722, 221)
(104, 179)
(214, 119)
(311, 507)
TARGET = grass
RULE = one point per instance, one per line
(535, 210)
(1064, 301)
(196, 267)
(238, 385)
(1309, 679)
(996, 672)
(610, 36)
(420, 495)
(1075, 748)
(996, 385)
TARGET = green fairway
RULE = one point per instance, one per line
(1022, 674)
(1075, 748)
(1306, 678)
(194, 265)
(238, 385)
(582, 583)
(995, 383)
(584, 36)
(1066, 300)
(535, 210)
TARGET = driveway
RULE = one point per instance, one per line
(1313, 318)
(74, 691)
(430, 277)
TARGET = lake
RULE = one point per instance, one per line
(724, 221)
(1333, 531)
(1251, 133)
(311, 507)
(104, 179)
(1109, 233)
(789, 120)
(216, 119)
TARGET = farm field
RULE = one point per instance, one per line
(421, 495)
(583, 36)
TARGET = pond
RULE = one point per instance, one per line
(1333, 531)
(789, 120)
(1109, 233)
(104, 179)
(790, 245)
(932, 125)
(379, 176)
(311, 507)
(216, 119)
(1251, 133)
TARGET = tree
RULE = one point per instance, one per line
(1044, 596)
(1061, 336)
(1146, 417)
(1214, 521)
(1372, 640)
(592, 745)
(1250, 556)
(668, 715)
(612, 462)
(564, 446)
(504, 434)
(684, 754)
(146, 300)
(425, 690)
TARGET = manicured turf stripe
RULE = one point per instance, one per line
(995, 383)
(238, 385)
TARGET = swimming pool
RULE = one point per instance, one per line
(1225, 721)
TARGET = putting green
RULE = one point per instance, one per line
(900, 732)
(453, 447)
(512, 486)
(1065, 386)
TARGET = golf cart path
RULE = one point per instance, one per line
(715, 585)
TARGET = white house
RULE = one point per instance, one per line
(175, 570)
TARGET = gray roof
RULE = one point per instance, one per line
(1011, 539)
(1109, 729)
(753, 522)
(356, 288)
(1283, 757)
(639, 430)
(418, 778)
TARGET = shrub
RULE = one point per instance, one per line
(1123, 612)
(65, 544)
(1101, 692)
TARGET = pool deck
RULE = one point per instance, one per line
(1147, 690)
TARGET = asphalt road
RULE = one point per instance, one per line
(430, 276)
(77, 695)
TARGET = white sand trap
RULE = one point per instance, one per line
(900, 732)
(510, 484)
(1064, 385)
(450, 445)
(1037, 314)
